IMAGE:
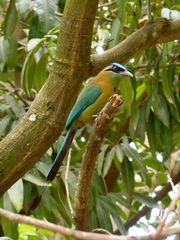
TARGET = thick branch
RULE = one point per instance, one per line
(157, 31)
(79, 234)
(45, 119)
(159, 196)
(88, 163)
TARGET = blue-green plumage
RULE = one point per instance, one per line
(90, 101)
(87, 97)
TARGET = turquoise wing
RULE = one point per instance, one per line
(87, 97)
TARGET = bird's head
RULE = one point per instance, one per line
(118, 70)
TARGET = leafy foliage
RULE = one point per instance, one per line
(142, 138)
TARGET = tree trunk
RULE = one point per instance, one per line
(44, 121)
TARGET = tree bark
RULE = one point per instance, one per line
(157, 31)
(44, 121)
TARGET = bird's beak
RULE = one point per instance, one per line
(126, 73)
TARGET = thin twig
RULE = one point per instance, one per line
(79, 234)
(66, 180)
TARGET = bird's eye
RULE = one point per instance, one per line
(115, 69)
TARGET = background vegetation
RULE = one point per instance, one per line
(141, 150)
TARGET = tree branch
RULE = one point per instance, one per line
(79, 234)
(88, 163)
(45, 119)
(157, 31)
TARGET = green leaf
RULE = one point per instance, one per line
(176, 135)
(167, 82)
(10, 22)
(119, 153)
(41, 72)
(27, 76)
(127, 172)
(12, 51)
(134, 155)
(119, 224)
(35, 28)
(141, 126)
(146, 200)
(101, 158)
(117, 197)
(43, 168)
(108, 161)
(115, 32)
(16, 194)
(24, 7)
(8, 52)
(4, 49)
(160, 108)
(29, 67)
(44, 20)
(134, 118)
(151, 133)
(141, 89)
(167, 140)
(103, 216)
(93, 219)
(162, 178)
(9, 228)
(25, 230)
(167, 48)
(35, 179)
(118, 24)
(154, 164)
(4, 123)
(122, 10)
(107, 205)
(33, 44)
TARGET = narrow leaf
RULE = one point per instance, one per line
(10, 22)
(148, 201)
(108, 161)
(4, 48)
(132, 153)
(16, 193)
(24, 7)
(119, 153)
(103, 217)
(161, 109)
(127, 172)
(41, 72)
(45, 10)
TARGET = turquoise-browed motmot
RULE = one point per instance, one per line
(90, 101)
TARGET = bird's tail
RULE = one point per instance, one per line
(61, 154)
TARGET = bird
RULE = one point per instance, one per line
(90, 101)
